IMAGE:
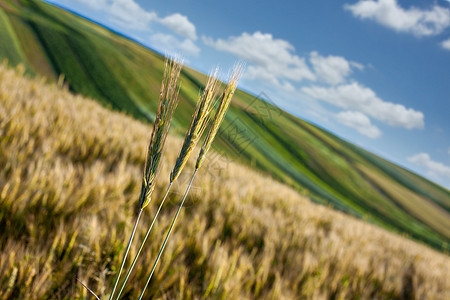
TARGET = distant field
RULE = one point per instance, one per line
(69, 185)
(125, 76)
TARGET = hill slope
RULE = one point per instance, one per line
(69, 185)
(125, 76)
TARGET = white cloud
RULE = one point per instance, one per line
(125, 13)
(359, 98)
(332, 69)
(434, 168)
(129, 14)
(275, 61)
(413, 20)
(446, 44)
(359, 122)
(272, 60)
(167, 42)
(181, 25)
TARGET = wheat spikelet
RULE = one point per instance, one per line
(220, 114)
(199, 121)
(168, 100)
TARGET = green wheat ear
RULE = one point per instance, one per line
(168, 100)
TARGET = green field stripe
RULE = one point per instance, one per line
(65, 61)
(395, 173)
(430, 231)
(9, 45)
(32, 48)
(105, 82)
(424, 211)
(321, 172)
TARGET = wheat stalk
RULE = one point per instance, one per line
(88, 289)
(143, 242)
(217, 121)
(168, 100)
(199, 121)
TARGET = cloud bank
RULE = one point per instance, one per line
(181, 25)
(275, 62)
(130, 15)
(272, 60)
(332, 69)
(357, 97)
(419, 22)
(360, 122)
(168, 42)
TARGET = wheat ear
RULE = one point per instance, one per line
(199, 121)
(168, 100)
(224, 104)
(220, 114)
(198, 124)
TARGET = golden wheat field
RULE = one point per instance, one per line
(70, 179)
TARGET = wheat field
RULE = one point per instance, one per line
(70, 178)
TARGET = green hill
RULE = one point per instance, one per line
(124, 75)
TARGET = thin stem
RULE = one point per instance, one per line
(145, 239)
(167, 236)
(90, 291)
(126, 254)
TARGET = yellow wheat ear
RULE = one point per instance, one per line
(199, 121)
(221, 111)
(168, 100)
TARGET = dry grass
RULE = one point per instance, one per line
(68, 183)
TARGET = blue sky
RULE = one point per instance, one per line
(375, 72)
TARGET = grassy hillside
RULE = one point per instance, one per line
(125, 76)
(69, 185)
